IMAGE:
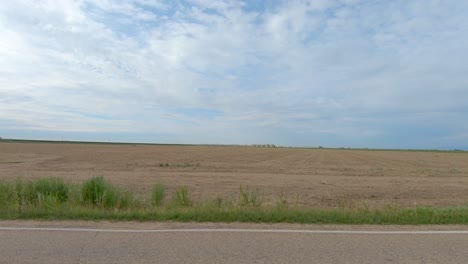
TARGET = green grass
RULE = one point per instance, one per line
(7, 195)
(181, 198)
(419, 216)
(158, 194)
(97, 199)
(250, 199)
(97, 192)
(53, 188)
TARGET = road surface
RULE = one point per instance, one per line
(103, 242)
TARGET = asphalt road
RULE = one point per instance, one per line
(88, 242)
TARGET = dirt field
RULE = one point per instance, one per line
(312, 177)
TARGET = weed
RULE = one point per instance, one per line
(218, 202)
(47, 202)
(187, 165)
(97, 192)
(377, 171)
(281, 203)
(182, 198)
(249, 199)
(392, 207)
(158, 194)
(35, 192)
(93, 190)
(298, 201)
(7, 194)
(364, 205)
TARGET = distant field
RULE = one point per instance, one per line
(319, 178)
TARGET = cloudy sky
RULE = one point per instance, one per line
(336, 73)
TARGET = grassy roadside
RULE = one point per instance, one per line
(96, 199)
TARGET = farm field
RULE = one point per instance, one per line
(321, 178)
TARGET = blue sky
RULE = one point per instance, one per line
(337, 73)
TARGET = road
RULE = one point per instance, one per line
(102, 242)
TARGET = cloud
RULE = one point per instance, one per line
(328, 72)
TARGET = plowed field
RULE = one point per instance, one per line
(311, 177)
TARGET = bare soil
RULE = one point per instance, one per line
(312, 177)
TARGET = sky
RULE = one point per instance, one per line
(333, 73)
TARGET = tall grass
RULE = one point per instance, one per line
(182, 198)
(7, 194)
(96, 199)
(45, 194)
(47, 188)
(98, 192)
(250, 199)
(158, 194)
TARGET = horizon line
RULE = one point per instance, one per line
(24, 140)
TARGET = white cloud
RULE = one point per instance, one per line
(328, 67)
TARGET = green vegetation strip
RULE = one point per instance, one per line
(97, 199)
